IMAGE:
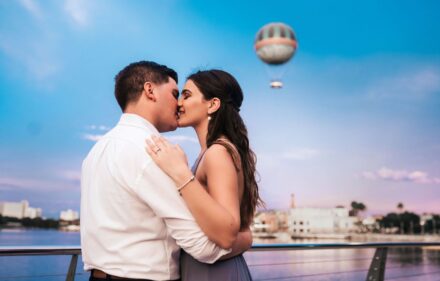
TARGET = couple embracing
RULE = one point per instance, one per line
(145, 215)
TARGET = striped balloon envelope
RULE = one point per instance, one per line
(275, 43)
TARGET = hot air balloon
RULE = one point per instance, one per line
(275, 44)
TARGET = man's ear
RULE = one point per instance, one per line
(148, 90)
(214, 105)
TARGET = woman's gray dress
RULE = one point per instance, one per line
(233, 269)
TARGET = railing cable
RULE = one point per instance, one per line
(36, 276)
(413, 275)
(311, 275)
(312, 261)
(332, 273)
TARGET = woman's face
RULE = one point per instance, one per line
(193, 108)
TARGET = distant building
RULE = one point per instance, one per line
(283, 220)
(371, 224)
(306, 221)
(265, 221)
(19, 210)
(292, 201)
(424, 218)
(33, 213)
(69, 215)
(270, 221)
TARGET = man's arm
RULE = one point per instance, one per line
(159, 192)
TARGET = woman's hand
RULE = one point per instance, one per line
(170, 158)
(219, 221)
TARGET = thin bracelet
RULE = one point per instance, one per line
(185, 184)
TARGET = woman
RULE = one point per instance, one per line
(220, 191)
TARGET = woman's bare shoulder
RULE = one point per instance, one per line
(221, 153)
(217, 152)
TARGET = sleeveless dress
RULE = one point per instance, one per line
(233, 269)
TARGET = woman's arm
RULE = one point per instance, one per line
(241, 244)
(216, 212)
(222, 218)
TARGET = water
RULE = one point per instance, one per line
(317, 265)
(33, 268)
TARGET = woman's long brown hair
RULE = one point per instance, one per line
(227, 122)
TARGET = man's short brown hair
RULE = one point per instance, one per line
(129, 82)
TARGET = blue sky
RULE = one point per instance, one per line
(358, 118)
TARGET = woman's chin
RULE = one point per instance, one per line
(181, 124)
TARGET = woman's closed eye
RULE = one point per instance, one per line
(186, 94)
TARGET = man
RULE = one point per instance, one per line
(133, 222)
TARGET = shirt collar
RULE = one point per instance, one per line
(130, 119)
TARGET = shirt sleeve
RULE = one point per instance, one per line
(159, 192)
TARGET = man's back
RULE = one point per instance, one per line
(131, 214)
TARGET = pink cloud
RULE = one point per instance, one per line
(8, 183)
(388, 174)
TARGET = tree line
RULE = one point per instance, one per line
(28, 222)
(404, 221)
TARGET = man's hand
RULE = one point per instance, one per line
(241, 244)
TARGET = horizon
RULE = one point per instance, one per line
(358, 118)
(362, 214)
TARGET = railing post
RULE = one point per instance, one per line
(72, 268)
(377, 267)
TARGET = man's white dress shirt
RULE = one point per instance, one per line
(133, 221)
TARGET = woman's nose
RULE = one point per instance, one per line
(180, 102)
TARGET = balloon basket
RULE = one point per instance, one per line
(276, 84)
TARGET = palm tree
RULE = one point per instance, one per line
(402, 224)
(400, 207)
(357, 207)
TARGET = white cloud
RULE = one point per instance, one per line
(418, 84)
(36, 50)
(103, 128)
(39, 63)
(32, 52)
(77, 10)
(32, 7)
(91, 127)
(268, 160)
(300, 154)
(180, 139)
(72, 175)
(92, 137)
(9, 183)
(98, 127)
(97, 134)
(388, 174)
